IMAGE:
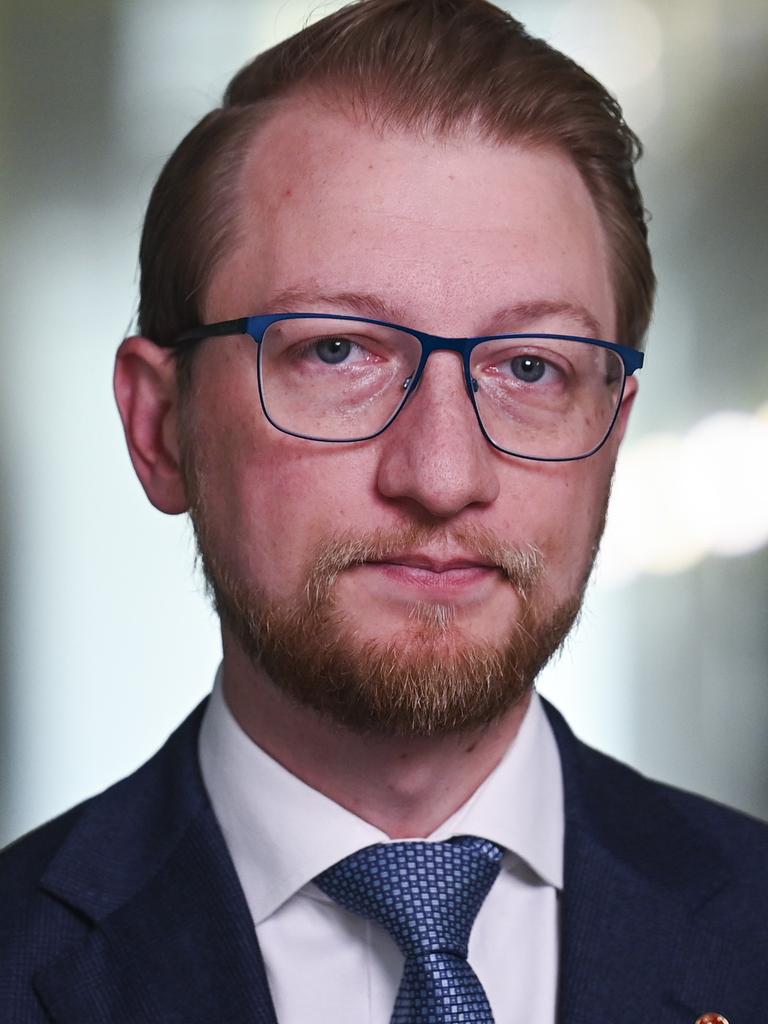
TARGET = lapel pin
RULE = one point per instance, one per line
(711, 1018)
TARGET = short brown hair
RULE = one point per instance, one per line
(431, 66)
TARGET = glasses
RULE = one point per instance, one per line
(548, 397)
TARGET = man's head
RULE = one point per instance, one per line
(429, 165)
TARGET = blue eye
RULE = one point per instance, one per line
(333, 350)
(528, 369)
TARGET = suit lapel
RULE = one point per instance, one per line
(172, 939)
(636, 876)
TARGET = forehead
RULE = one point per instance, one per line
(442, 230)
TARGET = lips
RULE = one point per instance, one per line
(433, 564)
(458, 576)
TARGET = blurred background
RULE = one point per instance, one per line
(106, 639)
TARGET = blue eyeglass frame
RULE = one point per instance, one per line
(255, 326)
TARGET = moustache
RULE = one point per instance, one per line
(521, 566)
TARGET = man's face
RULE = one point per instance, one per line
(410, 528)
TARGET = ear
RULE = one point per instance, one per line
(627, 401)
(147, 397)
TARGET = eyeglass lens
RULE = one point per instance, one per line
(341, 380)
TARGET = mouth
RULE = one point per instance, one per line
(446, 576)
(430, 564)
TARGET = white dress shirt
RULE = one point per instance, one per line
(324, 963)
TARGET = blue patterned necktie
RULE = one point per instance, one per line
(427, 896)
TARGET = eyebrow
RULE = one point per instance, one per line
(295, 300)
(537, 309)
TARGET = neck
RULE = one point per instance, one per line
(405, 786)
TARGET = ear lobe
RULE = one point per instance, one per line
(147, 397)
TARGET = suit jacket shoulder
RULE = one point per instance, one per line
(127, 909)
(665, 900)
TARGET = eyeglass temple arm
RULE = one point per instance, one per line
(633, 359)
(194, 334)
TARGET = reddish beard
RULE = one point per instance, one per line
(430, 678)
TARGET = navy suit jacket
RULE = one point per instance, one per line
(127, 909)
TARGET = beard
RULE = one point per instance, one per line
(431, 677)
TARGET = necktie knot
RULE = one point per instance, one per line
(426, 895)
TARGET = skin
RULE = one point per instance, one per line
(447, 235)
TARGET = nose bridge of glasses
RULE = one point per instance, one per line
(431, 343)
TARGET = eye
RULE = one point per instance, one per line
(528, 369)
(333, 350)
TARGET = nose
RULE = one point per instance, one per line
(434, 454)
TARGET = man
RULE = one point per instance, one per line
(393, 293)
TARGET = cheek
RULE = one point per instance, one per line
(269, 498)
(560, 509)
(288, 497)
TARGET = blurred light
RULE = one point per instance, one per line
(678, 499)
(620, 43)
(725, 461)
(589, 33)
(647, 529)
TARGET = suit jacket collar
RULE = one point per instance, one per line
(172, 939)
(638, 876)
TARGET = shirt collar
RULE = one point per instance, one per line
(281, 833)
(520, 805)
